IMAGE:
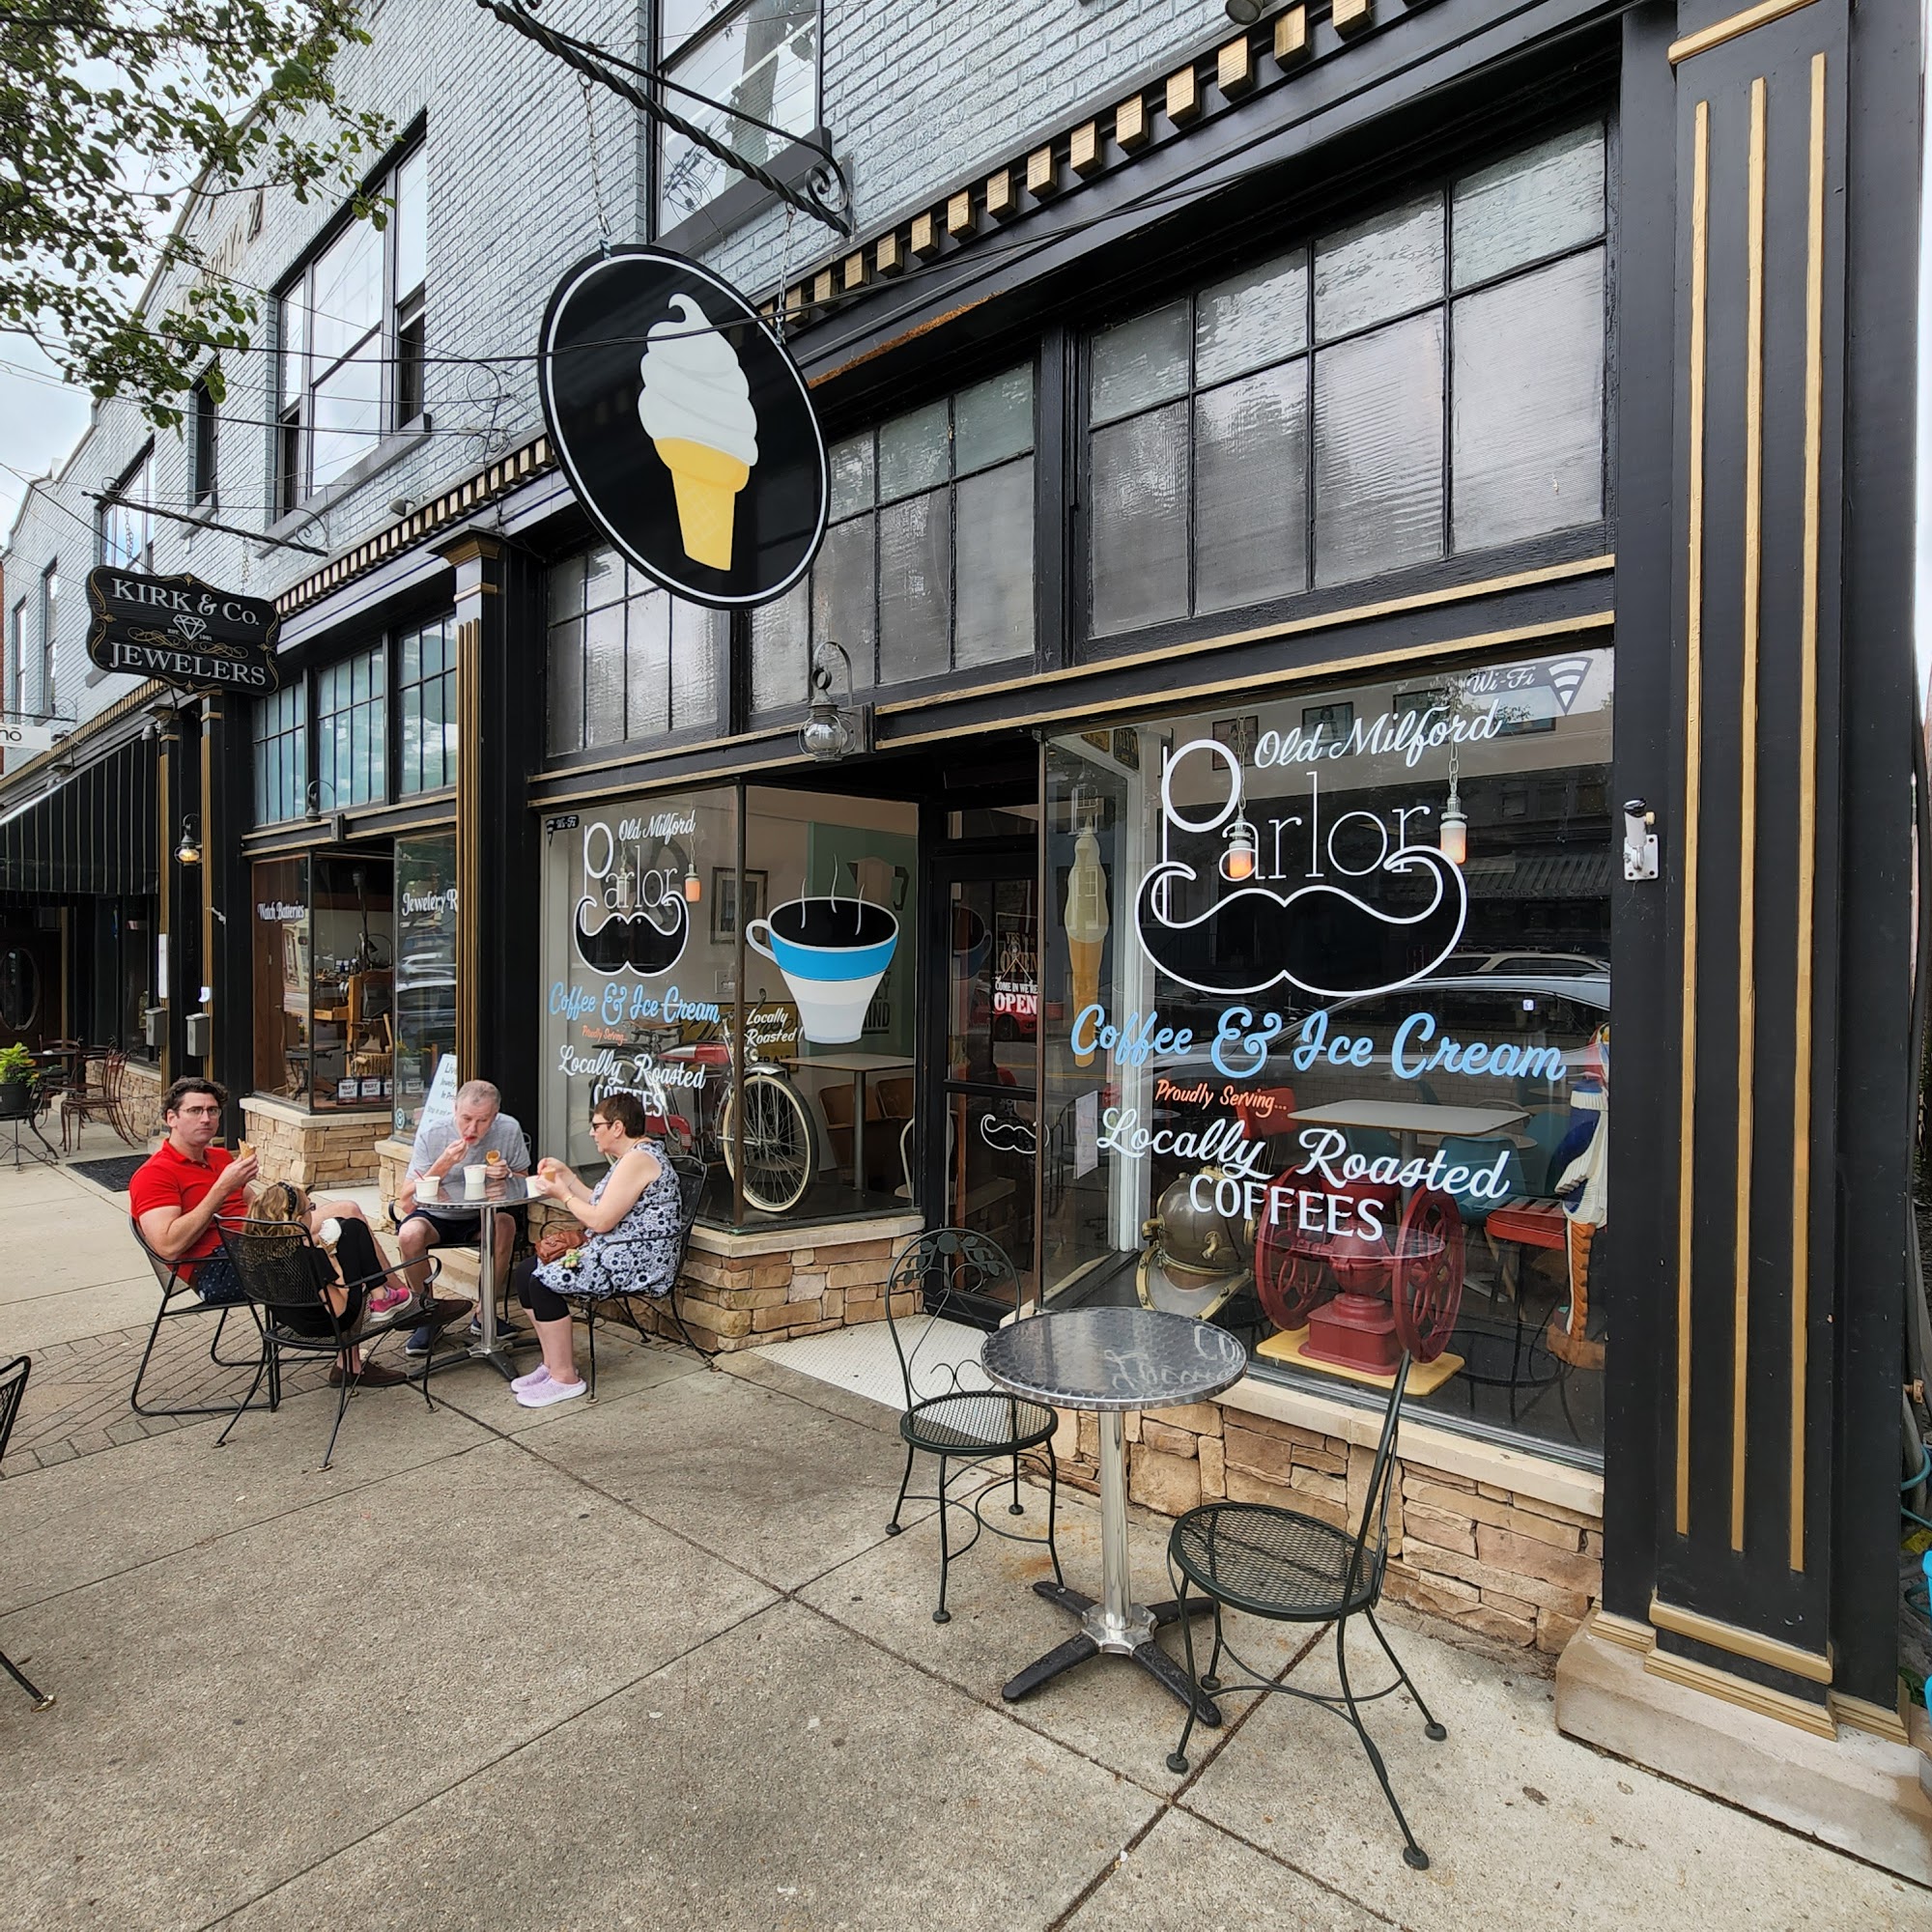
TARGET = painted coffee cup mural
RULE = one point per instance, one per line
(1331, 984)
(833, 953)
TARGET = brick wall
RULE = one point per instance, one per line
(1485, 1555)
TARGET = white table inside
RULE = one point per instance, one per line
(859, 1066)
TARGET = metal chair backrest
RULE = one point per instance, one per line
(168, 1274)
(956, 1273)
(1372, 1535)
(274, 1264)
(12, 1386)
(690, 1173)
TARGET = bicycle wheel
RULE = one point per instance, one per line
(777, 1143)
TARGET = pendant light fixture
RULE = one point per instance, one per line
(1453, 838)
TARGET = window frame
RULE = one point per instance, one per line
(299, 692)
(400, 333)
(17, 656)
(399, 692)
(132, 496)
(49, 636)
(203, 441)
(1439, 179)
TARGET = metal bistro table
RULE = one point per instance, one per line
(513, 1192)
(1111, 1360)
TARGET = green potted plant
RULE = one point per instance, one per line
(19, 1077)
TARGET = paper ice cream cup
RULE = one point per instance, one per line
(475, 1180)
(429, 1188)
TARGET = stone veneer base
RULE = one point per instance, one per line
(315, 1151)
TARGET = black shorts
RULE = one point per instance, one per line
(457, 1231)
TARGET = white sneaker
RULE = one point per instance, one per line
(548, 1391)
(529, 1381)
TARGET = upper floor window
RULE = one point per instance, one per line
(1288, 426)
(201, 417)
(627, 659)
(126, 523)
(757, 57)
(426, 707)
(350, 744)
(49, 634)
(18, 689)
(281, 754)
(351, 328)
(928, 561)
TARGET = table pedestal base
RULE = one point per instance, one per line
(1100, 1634)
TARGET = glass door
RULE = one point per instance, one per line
(982, 1151)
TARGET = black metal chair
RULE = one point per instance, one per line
(690, 1173)
(12, 1386)
(282, 1271)
(1290, 1567)
(178, 1299)
(951, 1411)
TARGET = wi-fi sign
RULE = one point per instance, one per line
(1566, 679)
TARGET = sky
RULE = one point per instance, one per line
(40, 419)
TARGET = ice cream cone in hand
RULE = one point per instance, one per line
(697, 408)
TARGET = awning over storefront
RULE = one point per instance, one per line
(95, 833)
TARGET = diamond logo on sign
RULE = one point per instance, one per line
(685, 428)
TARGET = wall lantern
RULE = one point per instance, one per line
(828, 733)
(188, 851)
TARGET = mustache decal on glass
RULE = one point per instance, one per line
(634, 942)
(1322, 938)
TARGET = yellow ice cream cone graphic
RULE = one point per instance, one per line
(707, 482)
(1087, 921)
(695, 406)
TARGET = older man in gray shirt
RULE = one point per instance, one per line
(476, 1129)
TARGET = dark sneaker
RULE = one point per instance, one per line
(374, 1375)
(443, 1311)
(506, 1331)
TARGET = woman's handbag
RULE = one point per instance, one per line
(554, 1244)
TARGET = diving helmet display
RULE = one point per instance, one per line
(1195, 1256)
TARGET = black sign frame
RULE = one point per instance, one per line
(590, 391)
(183, 631)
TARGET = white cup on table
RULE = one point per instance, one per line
(429, 1188)
(474, 1180)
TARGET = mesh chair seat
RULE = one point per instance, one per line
(1273, 1562)
(976, 1422)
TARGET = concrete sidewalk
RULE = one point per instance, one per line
(655, 1664)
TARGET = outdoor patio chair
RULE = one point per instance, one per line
(277, 1263)
(1287, 1567)
(690, 1172)
(107, 1102)
(12, 1386)
(178, 1299)
(952, 1410)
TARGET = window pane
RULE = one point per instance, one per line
(994, 513)
(411, 221)
(1378, 451)
(841, 594)
(294, 337)
(602, 577)
(411, 668)
(410, 774)
(566, 588)
(1381, 267)
(1531, 205)
(1139, 509)
(1140, 362)
(566, 687)
(851, 465)
(914, 587)
(1252, 319)
(779, 665)
(604, 675)
(1528, 403)
(913, 452)
(697, 636)
(348, 290)
(647, 667)
(348, 414)
(1251, 488)
(764, 62)
(992, 421)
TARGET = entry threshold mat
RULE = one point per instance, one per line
(863, 1361)
(114, 1173)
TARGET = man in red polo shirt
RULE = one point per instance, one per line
(188, 1183)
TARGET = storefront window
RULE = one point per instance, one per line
(649, 921)
(281, 755)
(1327, 1032)
(1201, 465)
(425, 1016)
(426, 707)
(627, 659)
(350, 757)
(928, 562)
(324, 984)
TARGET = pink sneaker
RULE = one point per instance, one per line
(538, 1375)
(386, 1301)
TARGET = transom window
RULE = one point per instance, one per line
(126, 522)
(757, 57)
(349, 759)
(627, 659)
(928, 562)
(1449, 354)
(351, 330)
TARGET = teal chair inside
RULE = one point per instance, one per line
(1373, 1143)
(1546, 1127)
(1463, 1150)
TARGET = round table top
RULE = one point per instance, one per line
(512, 1192)
(1114, 1358)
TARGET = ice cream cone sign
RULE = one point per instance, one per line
(1087, 921)
(697, 408)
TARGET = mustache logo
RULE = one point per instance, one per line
(633, 942)
(1007, 1136)
(1322, 938)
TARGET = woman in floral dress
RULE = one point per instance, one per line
(629, 1244)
